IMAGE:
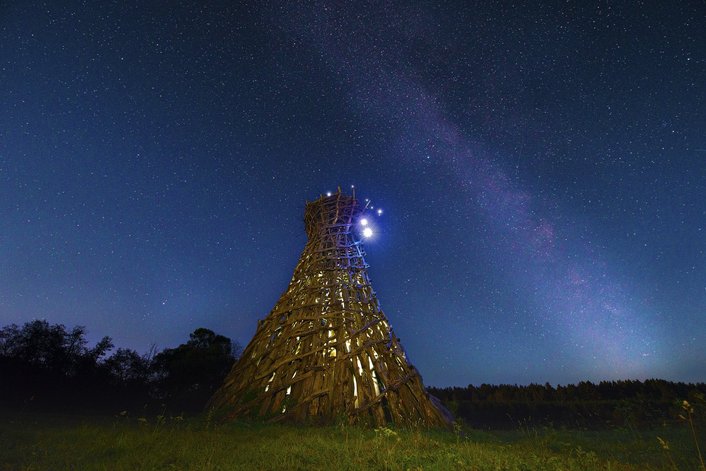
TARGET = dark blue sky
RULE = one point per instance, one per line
(542, 172)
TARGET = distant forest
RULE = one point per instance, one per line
(49, 368)
(586, 405)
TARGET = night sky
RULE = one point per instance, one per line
(542, 172)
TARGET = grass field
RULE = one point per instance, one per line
(33, 442)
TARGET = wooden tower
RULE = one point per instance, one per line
(326, 352)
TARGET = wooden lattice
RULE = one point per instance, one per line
(326, 352)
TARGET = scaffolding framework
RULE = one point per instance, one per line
(326, 351)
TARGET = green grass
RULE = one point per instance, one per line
(32, 442)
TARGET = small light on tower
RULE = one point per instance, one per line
(367, 232)
(363, 222)
(379, 212)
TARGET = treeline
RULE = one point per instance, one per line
(47, 367)
(628, 403)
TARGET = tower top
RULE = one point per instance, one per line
(334, 213)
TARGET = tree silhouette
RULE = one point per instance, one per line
(48, 366)
(47, 363)
(188, 375)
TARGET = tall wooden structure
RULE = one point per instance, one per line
(326, 352)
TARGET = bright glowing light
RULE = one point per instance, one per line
(379, 212)
(367, 232)
(363, 222)
(328, 193)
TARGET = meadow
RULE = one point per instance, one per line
(59, 442)
(58, 399)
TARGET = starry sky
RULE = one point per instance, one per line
(542, 171)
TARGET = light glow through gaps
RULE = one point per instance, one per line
(367, 232)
